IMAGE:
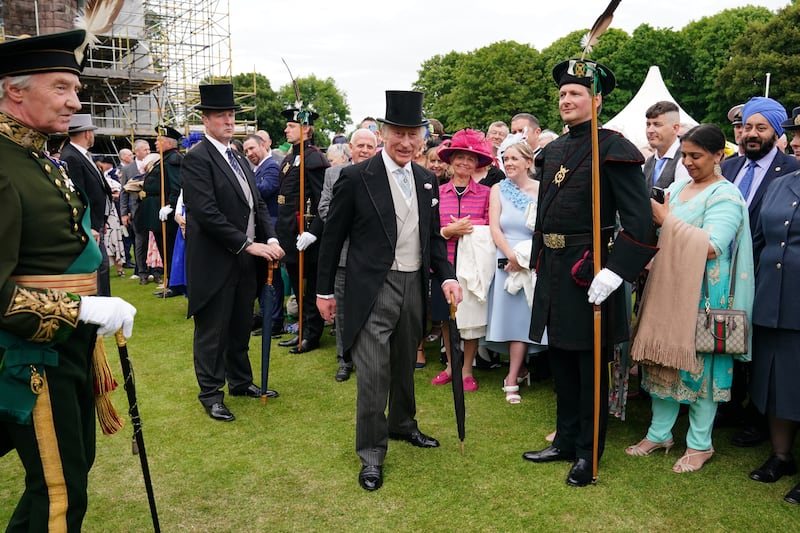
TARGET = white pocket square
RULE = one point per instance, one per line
(427, 186)
(434, 202)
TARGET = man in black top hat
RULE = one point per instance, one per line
(792, 125)
(294, 212)
(48, 318)
(387, 206)
(158, 202)
(562, 240)
(228, 229)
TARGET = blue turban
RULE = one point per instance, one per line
(769, 109)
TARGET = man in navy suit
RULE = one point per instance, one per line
(83, 171)
(266, 170)
(227, 229)
(388, 208)
(753, 172)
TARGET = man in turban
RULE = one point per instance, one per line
(752, 172)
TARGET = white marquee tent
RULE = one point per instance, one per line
(631, 120)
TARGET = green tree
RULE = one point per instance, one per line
(493, 80)
(706, 93)
(266, 106)
(323, 97)
(437, 79)
(767, 46)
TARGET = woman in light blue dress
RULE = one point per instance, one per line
(509, 314)
(710, 202)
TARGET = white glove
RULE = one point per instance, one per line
(110, 313)
(305, 239)
(164, 213)
(603, 284)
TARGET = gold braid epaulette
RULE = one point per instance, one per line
(52, 307)
(21, 134)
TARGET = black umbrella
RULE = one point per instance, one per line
(267, 296)
(456, 362)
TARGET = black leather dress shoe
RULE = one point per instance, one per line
(749, 437)
(294, 341)
(343, 374)
(548, 455)
(277, 331)
(793, 496)
(251, 391)
(218, 411)
(580, 474)
(165, 293)
(371, 477)
(305, 346)
(418, 439)
(774, 469)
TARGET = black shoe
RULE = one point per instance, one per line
(417, 438)
(218, 411)
(748, 437)
(548, 455)
(257, 332)
(793, 496)
(143, 280)
(580, 474)
(371, 477)
(277, 331)
(128, 265)
(305, 346)
(258, 322)
(251, 391)
(291, 342)
(343, 374)
(774, 469)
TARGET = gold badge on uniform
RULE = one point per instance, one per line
(580, 69)
(560, 175)
(281, 199)
(37, 381)
(285, 169)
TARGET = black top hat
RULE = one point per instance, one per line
(583, 72)
(792, 123)
(404, 108)
(217, 97)
(167, 131)
(293, 115)
(54, 52)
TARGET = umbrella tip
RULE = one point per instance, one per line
(263, 399)
(462, 448)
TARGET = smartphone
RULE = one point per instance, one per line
(502, 262)
(657, 194)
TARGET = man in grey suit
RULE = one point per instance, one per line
(662, 125)
(387, 206)
(363, 144)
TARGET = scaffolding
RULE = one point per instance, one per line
(148, 67)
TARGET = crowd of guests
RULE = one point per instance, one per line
(726, 218)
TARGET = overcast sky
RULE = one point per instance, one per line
(368, 47)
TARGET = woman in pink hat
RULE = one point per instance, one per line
(463, 203)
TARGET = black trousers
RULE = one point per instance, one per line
(222, 335)
(312, 320)
(573, 372)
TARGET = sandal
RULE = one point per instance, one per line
(684, 464)
(512, 393)
(645, 447)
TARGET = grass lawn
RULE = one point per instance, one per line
(291, 465)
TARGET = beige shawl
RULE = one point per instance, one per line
(664, 336)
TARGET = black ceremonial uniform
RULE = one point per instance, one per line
(147, 214)
(290, 210)
(561, 239)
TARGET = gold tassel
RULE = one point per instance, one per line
(104, 383)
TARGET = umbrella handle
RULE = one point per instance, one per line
(271, 265)
(453, 309)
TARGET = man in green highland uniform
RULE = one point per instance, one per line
(48, 317)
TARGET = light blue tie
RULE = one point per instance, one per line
(747, 179)
(659, 167)
(403, 182)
